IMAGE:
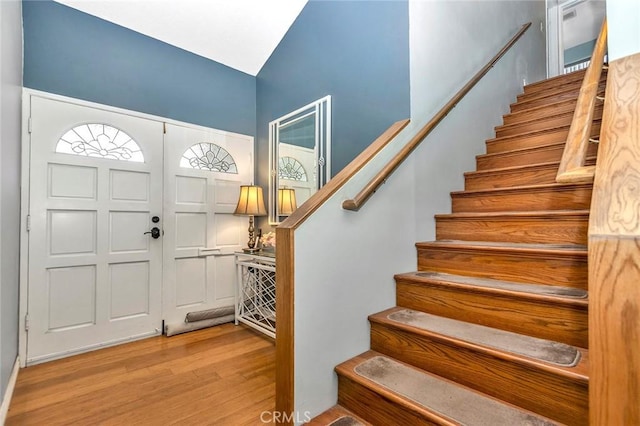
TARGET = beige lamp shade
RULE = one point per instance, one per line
(250, 202)
(286, 201)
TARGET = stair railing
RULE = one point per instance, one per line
(572, 166)
(285, 265)
(614, 250)
(285, 232)
(370, 188)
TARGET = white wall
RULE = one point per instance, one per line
(345, 261)
(468, 34)
(623, 20)
(10, 112)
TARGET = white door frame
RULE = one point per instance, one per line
(25, 193)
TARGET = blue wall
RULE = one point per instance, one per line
(355, 51)
(579, 53)
(10, 151)
(75, 54)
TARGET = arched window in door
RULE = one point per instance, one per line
(208, 156)
(100, 140)
(291, 169)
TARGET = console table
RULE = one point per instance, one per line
(256, 291)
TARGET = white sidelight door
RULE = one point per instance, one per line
(203, 173)
(95, 187)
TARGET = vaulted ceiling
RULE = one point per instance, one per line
(241, 34)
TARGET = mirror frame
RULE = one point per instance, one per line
(321, 109)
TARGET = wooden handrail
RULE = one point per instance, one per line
(572, 168)
(358, 201)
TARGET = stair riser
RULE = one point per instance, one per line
(545, 154)
(509, 179)
(540, 174)
(535, 140)
(567, 87)
(556, 82)
(576, 198)
(559, 322)
(545, 111)
(539, 391)
(551, 99)
(375, 408)
(569, 271)
(518, 230)
(546, 123)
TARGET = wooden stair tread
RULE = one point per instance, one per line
(545, 84)
(543, 119)
(554, 249)
(527, 134)
(519, 226)
(569, 295)
(565, 88)
(526, 214)
(435, 399)
(555, 186)
(520, 167)
(538, 111)
(557, 358)
(564, 94)
(521, 151)
(337, 416)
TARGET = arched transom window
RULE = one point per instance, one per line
(100, 140)
(291, 169)
(208, 156)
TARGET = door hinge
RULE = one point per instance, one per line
(28, 222)
(164, 128)
(26, 322)
(29, 124)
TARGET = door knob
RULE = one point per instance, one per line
(155, 232)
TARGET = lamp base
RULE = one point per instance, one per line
(250, 250)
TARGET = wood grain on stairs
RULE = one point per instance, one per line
(559, 392)
(524, 263)
(553, 227)
(544, 122)
(338, 416)
(527, 156)
(449, 403)
(536, 310)
(539, 112)
(509, 177)
(552, 83)
(523, 198)
(574, 86)
(551, 98)
(534, 139)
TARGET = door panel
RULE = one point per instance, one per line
(203, 174)
(94, 276)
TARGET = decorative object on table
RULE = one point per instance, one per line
(286, 201)
(268, 241)
(250, 203)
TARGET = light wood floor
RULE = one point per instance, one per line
(223, 375)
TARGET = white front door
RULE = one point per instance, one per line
(95, 185)
(203, 173)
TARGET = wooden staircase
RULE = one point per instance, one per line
(478, 328)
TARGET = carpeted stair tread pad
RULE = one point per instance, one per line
(346, 421)
(445, 398)
(532, 347)
(574, 293)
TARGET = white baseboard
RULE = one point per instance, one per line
(4, 408)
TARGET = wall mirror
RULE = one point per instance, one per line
(299, 157)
